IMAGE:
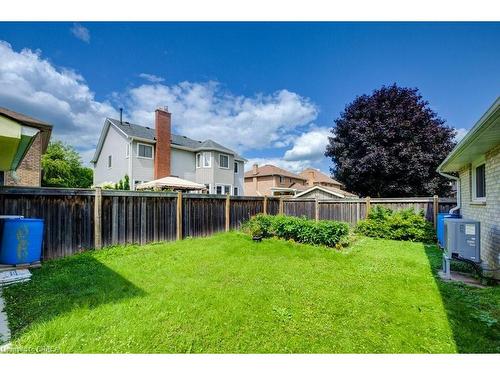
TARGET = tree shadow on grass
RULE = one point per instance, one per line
(62, 285)
(473, 313)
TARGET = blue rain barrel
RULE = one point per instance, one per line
(440, 226)
(20, 240)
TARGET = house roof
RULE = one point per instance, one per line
(329, 190)
(272, 170)
(483, 136)
(44, 127)
(147, 134)
(318, 176)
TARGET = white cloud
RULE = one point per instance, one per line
(151, 78)
(309, 146)
(81, 32)
(460, 134)
(207, 111)
(33, 86)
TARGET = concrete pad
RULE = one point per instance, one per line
(461, 277)
(4, 326)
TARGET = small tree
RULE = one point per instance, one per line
(389, 144)
(126, 182)
(62, 167)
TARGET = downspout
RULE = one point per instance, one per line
(457, 179)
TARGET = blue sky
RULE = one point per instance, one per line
(270, 90)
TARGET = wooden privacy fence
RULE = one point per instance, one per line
(79, 219)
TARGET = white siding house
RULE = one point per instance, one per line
(129, 149)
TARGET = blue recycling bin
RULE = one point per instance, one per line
(20, 240)
(440, 226)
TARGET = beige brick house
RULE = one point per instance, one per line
(29, 172)
(476, 161)
(272, 181)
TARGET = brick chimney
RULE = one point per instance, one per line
(163, 134)
(255, 168)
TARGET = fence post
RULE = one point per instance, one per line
(281, 210)
(358, 211)
(368, 206)
(228, 211)
(179, 215)
(97, 218)
(316, 209)
(264, 210)
(435, 206)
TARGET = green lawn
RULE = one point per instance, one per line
(227, 294)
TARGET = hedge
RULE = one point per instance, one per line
(323, 232)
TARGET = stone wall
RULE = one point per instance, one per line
(488, 213)
(29, 172)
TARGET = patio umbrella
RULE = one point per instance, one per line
(173, 183)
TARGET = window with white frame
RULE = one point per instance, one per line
(223, 161)
(110, 161)
(144, 151)
(223, 189)
(235, 167)
(203, 160)
(479, 181)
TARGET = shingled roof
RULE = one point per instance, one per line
(146, 133)
(319, 176)
(272, 170)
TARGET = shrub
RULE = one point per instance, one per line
(324, 232)
(406, 225)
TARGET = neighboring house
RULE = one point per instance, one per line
(476, 160)
(315, 177)
(323, 192)
(321, 186)
(23, 140)
(146, 154)
(272, 181)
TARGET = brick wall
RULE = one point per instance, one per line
(29, 172)
(488, 213)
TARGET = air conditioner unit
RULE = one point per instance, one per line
(462, 239)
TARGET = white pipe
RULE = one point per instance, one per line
(457, 179)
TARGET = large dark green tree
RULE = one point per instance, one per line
(62, 167)
(389, 144)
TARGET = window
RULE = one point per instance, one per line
(109, 161)
(208, 189)
(479, 182)
(236, 191)
(203, 159)
(223, 189)
(235, 167)
(282, 179)
(144, 151)
(223, 161)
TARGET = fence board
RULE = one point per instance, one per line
(143, 217)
